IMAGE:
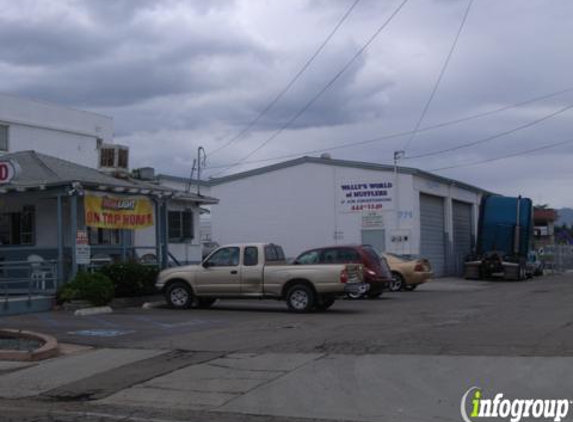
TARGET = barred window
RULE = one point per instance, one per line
(180, 226)
(3, 138)
(18, 228)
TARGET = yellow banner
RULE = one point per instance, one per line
(118, 212)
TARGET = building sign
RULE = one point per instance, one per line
(83, 250)
(372, 220)
(118, 212)
(8, 171)
(365, 196)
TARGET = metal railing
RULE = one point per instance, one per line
(28, 278)
(556, 258)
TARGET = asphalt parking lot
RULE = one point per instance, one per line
(406, 356)
(447, 316)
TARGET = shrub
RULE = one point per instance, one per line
(131, 279)
(95, 288)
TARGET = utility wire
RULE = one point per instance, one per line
(290, 84)
(441, 75)
(492, 137)
(400, 134)
(322, 91)
(475, 163)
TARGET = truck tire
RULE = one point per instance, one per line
(179, 295)
(205, 303)
(300, 298)
(324, 303)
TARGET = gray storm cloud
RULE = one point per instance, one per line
(182, 74)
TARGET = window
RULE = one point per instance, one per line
(17, 228)
(347, 255)
(107, 157)
(308, 258)
(274, 253)
(225, 257)
(3, 138)
(251, 257)
(104, 236)
(180, 226)
(122, 158)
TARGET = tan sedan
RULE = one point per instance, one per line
(408, 274)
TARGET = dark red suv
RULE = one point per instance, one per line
(376, 270)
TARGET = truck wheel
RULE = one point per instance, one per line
(324, 304)
(179, 295)
(300, 298)
(397, 282)
(205, 303)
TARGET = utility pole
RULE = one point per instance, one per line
(199, 164)
(398, 155)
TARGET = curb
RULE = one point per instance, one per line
(152, 305)
(93, 311)
(48, 350)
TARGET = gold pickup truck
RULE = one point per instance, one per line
(258, 271)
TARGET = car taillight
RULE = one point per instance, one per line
(370, 272)
(419, 267)
(343, 276)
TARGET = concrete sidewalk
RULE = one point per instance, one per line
(302, 385)
(369, 388)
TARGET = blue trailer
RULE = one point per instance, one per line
(505, 235)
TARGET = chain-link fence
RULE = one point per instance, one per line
(556, 258)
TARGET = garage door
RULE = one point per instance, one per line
(462, 216)
(432, 232)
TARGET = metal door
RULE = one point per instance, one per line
(375, 238)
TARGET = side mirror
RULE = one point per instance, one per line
(205, 264)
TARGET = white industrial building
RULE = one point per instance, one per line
(310, 202)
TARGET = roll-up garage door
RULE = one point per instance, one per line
(432, 232)
(462, 218)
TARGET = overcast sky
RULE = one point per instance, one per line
(175, 75)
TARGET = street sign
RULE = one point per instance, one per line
(83, 250)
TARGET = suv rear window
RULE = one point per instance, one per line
(310, 257)
(339, 256)
(371, 252)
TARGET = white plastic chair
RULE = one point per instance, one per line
(39, 273)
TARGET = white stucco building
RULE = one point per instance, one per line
(311, 202)
(73, 135)
(52, 159)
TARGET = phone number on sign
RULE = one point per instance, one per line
(367, 207)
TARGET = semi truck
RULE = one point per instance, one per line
(504, 239)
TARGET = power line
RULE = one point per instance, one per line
(322, 91)
(400, 134)
(492, 137)
(556, 144)
(441, 75)
(291, 83)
